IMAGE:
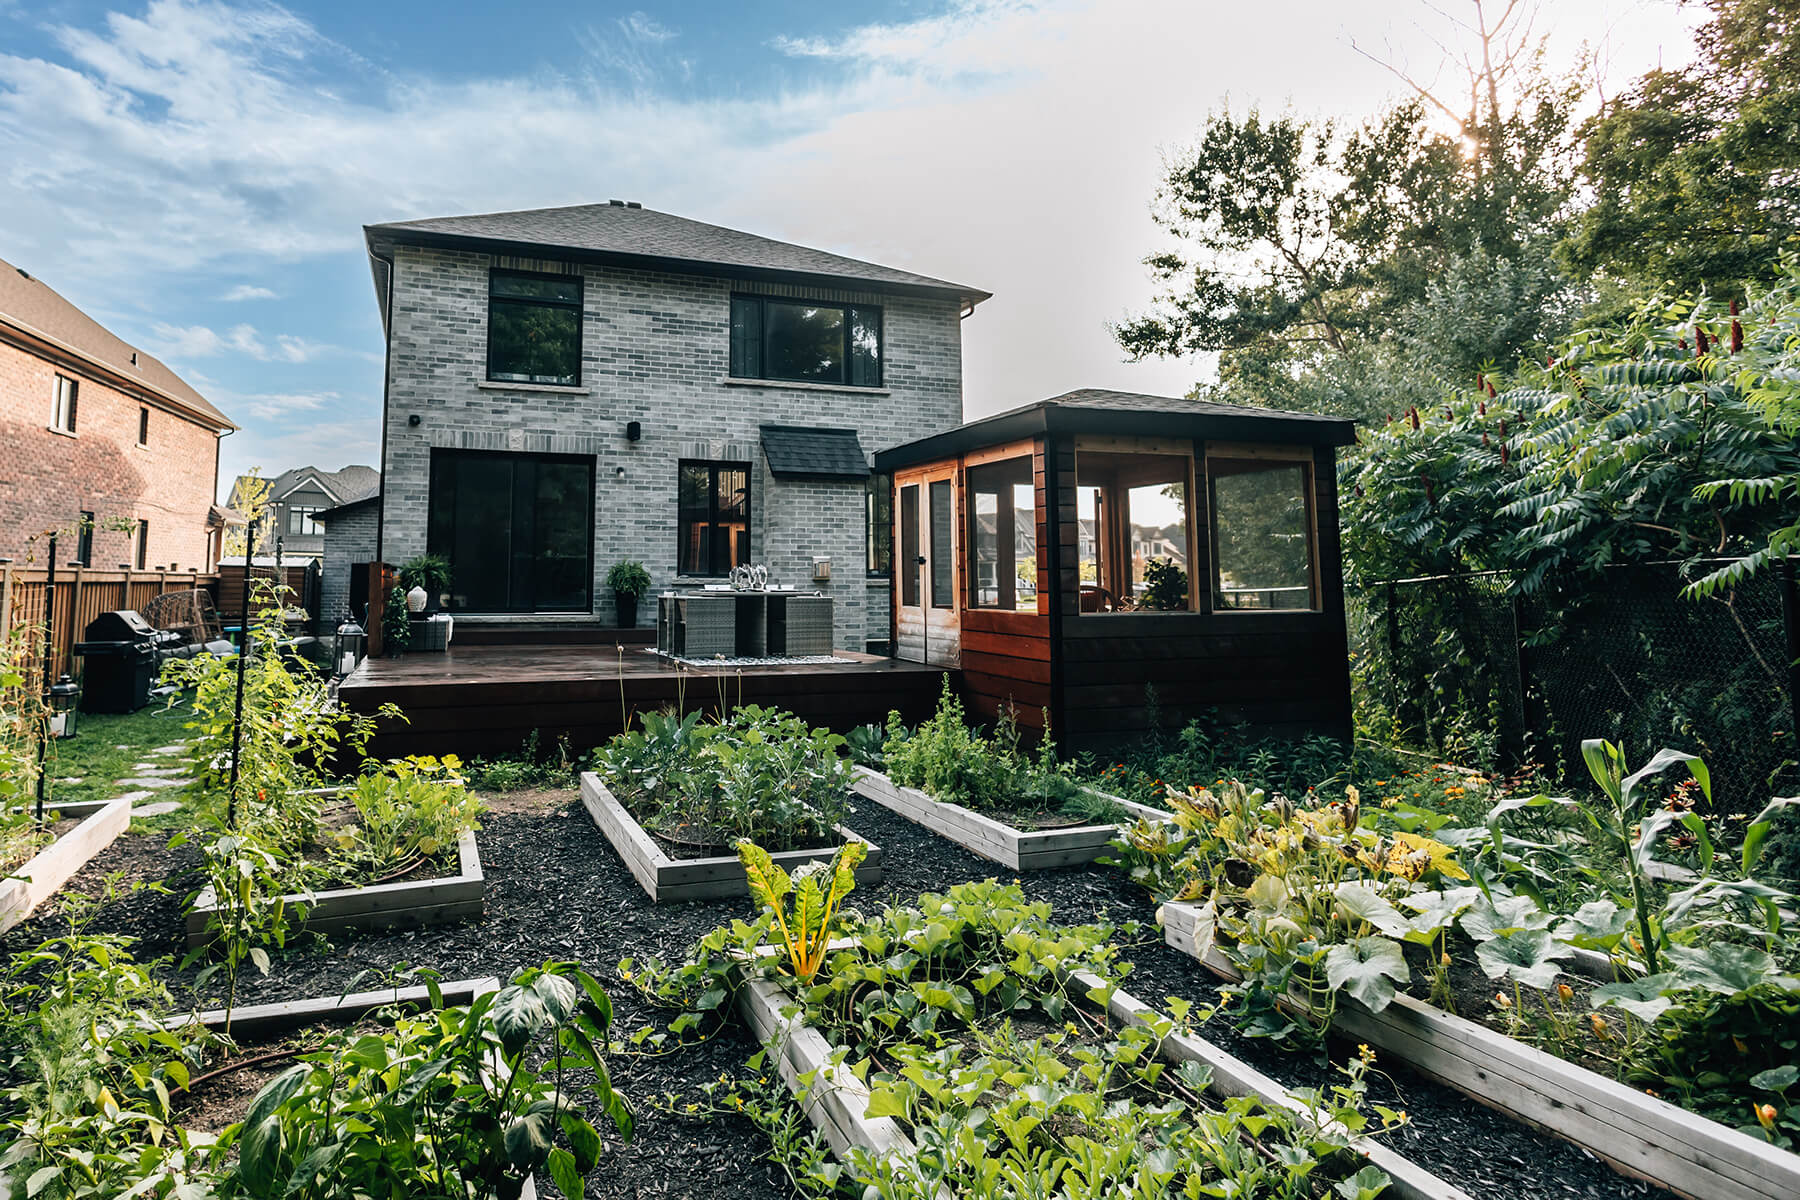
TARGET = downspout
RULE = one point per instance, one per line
(387, 372)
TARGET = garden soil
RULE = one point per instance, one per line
(556, 890)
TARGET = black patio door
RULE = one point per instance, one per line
(518, 530)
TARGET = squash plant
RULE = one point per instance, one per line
(449, 1103)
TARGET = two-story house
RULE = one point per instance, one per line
(295, 498)
(100, 439)
(570, 387)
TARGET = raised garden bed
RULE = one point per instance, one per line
(836, 1101)
(718, 877)
(1638, 1134)
(46, 871)
(378, 906)
(994, 840)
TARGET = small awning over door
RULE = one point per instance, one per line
(809, 452)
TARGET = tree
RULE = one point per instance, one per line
(250, 500)
(1696, 173)
(1304, 255)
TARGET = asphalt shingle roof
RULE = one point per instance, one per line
(796, 450)
(641, 236)
(36, 309)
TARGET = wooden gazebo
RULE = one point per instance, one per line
(1113, 558)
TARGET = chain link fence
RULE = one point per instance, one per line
(1459, 664)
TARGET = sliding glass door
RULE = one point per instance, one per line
(518, 530)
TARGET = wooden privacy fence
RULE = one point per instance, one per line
(82, 593)
(300, 578)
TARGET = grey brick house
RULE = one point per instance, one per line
(569, 387)
(296, 499)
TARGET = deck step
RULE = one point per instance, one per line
(547, 633)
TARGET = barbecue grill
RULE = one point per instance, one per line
(124, 653)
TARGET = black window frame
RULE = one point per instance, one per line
(880, 510)
(304, 513)
(441, 531)
(682, 520)
(736, 368)
(84, 540)
(143, 542)
(578, 305)
(143, 426)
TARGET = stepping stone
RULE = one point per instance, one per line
(121, 747)
(134, 797)
(153, 769)
(177, 748)
(70, 779)
(151, 781)
(157, 809)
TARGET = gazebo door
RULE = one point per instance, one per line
(925, 538)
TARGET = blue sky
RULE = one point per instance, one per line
(195, 173)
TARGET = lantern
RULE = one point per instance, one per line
(348, 647)
(61, 700)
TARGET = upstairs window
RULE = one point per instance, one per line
(143, 427)
(300, 519)
(534, 328)
(1262, 531)
(802, 342)
(62, 413)
(714, 504)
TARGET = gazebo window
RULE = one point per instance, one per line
(1003, 536)
(1262, 540)
(1133, 528)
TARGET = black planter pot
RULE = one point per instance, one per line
(626, 603)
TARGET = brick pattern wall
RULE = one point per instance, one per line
(655, 349)
(47, 479)
(349, 538)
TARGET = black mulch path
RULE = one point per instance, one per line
(557, 891)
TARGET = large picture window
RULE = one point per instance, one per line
(804, 342)
(300, 520)
(518, 530)
(534, 328)
(1261, 534)
(714, 501)
(1131, 507)
(1003, 535)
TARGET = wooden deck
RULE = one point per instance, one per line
(486, 699)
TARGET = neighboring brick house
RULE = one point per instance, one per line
(569, 387)
(296, 497)
(350, 535)
(90, 425)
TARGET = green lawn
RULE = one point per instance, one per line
(105, 749)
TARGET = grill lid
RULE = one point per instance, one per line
(123, 625)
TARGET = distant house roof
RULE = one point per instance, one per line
(37, 311)
(1132, 414)
(802, 451)
(342, 486)
(629, 235)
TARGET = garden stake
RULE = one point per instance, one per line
(237, 716)
(43, 745)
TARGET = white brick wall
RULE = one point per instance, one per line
(655, 347)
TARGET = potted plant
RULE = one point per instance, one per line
(628, 581)
(427, 575)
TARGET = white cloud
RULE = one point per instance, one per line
(201, 341)
(245, 291)
(1010, 144)
(274, 406)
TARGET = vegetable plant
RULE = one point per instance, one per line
(806, 905)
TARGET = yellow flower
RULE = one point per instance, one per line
(1367, 1055)
(1502, 1000)
(1765, 1115)
(1739, 1043)
(1599, 1024)
(1565, 992)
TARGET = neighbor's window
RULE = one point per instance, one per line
(881, 524)
(300, 519)
(143, 544)
(804, 342)
(62, 413)
(1003, 536)
(143, 427)
(1131, 508)
(1261, 533)
(714, 503)
(534, 328)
